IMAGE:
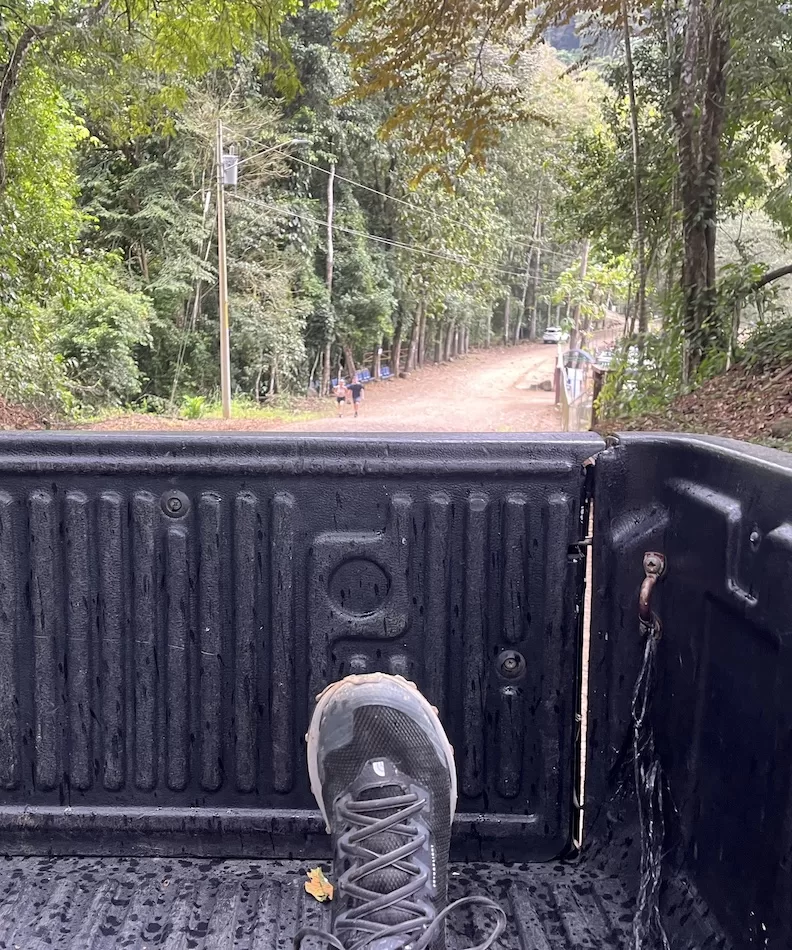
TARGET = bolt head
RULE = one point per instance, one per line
(511, 664)
(174, 503)
(653, 563)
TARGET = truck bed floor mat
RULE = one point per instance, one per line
(197, 904)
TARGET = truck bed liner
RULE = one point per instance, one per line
(198, 904)
(170, 607)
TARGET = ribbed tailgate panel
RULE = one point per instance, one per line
(170, 607)
(93, 904)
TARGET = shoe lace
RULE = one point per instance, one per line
(394, 912)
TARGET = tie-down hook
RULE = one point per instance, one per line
(654, 566)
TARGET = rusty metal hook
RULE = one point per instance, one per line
(654, 566)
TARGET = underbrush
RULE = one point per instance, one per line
(146, 412)
(642, 380)
(750, 401)
(276, 409)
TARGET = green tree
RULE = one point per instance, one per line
(99, 336)
(178, 39)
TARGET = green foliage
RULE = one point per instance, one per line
(589, 296)
(31, 371)
(108, 248)
(193, 407)
(268, 342)
(39, 225)
(769, 347)
(362, 291)
(98, 337)
(470, 165)
(40, 221)
(453, 73)
(280, 409)
(643, 379)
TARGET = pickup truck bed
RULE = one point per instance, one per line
(253, 905)
(170, 606)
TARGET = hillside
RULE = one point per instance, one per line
(738, 404)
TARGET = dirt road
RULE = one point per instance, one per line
(486, 392)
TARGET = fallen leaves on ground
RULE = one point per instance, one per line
(153, 422)
(738, 404)
(318, 886)
(14, 416)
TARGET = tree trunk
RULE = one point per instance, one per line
(507, 318)
(629, 317)
(734, 333)
(327, 371)
(640, 299)
(535, 289)
(143, 260)
(524, 303)
(349, 360)
(449, 340)
(378, 358)
(699, 116)
(396, 347)
(330, 245)
(575, 335)
(412, 350)
(422, 336)
(534, 258)
(312, 374)
(438, 343)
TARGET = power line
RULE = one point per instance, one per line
(528, 245)
(453, 258)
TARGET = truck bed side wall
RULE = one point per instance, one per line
(721, 513)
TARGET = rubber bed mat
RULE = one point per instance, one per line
(91, 904)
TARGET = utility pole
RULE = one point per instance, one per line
(327, 371)
(222, 272)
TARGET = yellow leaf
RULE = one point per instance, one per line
(318, 886)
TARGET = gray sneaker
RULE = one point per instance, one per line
(382, 771)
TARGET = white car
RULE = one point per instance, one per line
(553, 335)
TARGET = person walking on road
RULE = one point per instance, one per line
(356, 389)
(340, 393)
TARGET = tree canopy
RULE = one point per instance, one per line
(414, 179)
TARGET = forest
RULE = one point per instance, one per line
(412, 181)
